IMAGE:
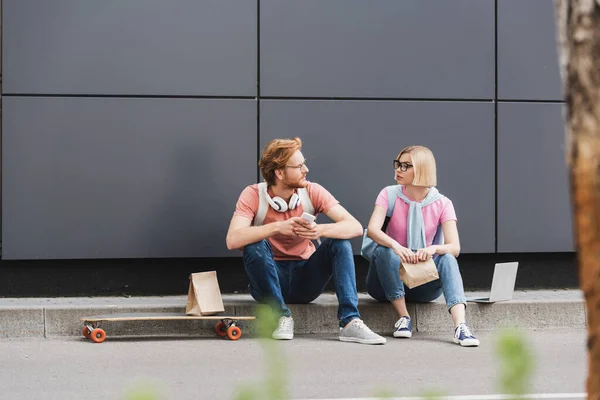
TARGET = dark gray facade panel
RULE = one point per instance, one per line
(534, 209)
(121, 178)
(527, 51)
(148, 47)
(377, 48)
(350, 146)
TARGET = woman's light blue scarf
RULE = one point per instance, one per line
(415, 235)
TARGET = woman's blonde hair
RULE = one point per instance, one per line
(275, 156)
(423, 164)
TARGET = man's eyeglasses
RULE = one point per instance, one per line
(299, 167)
(404, 166)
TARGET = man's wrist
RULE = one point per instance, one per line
(276, 228)
(322, 230)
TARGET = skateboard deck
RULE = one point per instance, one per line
(226, 325)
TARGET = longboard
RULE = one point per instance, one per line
(227, 325)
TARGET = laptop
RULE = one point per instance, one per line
(503, 283)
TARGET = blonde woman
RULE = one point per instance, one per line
(422, 226)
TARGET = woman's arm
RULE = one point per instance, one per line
(374, 232)
(451, 243)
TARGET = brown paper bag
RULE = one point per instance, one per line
(204, 295)
(414, 275)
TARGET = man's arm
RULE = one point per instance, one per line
(345, 226)
(241, 233)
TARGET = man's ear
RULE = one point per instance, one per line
(278, 174)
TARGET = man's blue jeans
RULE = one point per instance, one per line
(302, 281)
(384, 283)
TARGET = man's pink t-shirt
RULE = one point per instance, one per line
(434, 214)
(286, 247)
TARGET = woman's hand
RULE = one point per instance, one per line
(406, 255)
(426, 253)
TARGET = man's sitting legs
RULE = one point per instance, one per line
(333, 258)
(265, 276)
(301, 282)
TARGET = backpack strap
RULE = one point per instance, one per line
(307, 205)
(392, 192)
(263, 204)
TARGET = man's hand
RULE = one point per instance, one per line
(307, 230)
(288, 227)
(406, 255)
(426, 253)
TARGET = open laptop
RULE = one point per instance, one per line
(503, 283)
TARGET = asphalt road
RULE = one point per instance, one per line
(311, 367)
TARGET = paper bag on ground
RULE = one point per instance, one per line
(414, 275)
(204, 295)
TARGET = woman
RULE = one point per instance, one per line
(412, 235)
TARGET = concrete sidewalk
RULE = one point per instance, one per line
(54, 317)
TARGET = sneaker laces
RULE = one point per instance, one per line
(466, 330)
(361, 325)
(284, 324)
(402, 323)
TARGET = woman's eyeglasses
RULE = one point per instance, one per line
(404, 166)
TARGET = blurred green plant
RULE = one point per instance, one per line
(433, 395)
(274, 384)
(516, 362)
(143, 391)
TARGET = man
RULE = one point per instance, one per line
(282, 264)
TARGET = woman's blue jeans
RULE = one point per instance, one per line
(384, 283)
(302, 281)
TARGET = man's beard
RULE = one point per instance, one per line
(296, 184)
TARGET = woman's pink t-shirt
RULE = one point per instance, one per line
(434, 214)
(286, 247)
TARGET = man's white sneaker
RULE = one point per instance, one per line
(356, 331)
(285, 329)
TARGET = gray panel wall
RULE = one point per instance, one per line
(377, 48)
(531, 151)
(527, 51)
(152, 47)
(113, 177)
(533, 205)
(114, 120)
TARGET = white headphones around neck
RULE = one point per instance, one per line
(278, 204)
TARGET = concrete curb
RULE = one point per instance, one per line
(47, 318)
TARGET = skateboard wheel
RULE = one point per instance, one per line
(220, 329)
(234, 333)
(98, 335)
(86, 332)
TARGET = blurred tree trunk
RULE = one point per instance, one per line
(578, 23)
